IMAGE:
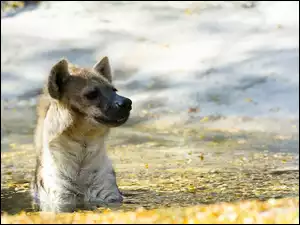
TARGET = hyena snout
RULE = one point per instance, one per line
(122, 103)
(117, 111)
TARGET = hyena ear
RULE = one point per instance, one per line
(103, 68)
(58, 75)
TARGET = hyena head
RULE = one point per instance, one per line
(89, 93)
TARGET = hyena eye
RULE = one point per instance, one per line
(92, 94)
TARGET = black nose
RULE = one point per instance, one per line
(124, 103)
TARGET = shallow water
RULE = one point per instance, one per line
(175, 167)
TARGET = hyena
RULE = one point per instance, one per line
(77, 108)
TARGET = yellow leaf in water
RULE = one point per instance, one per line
(188, 11)
(248, 100)
(17, 4)
(10, 185)
(106, 210)
(146, 165)
(201, 156)
(204, 119)
(191, 188)
(26, 185)
(12, 145)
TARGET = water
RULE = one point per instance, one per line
(214, 87)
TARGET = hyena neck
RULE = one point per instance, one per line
(69, 141)
(57, 120)
(60, 121)
(70, 145)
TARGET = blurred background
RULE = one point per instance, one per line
(214, 85)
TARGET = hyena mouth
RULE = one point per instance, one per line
(112, 122)
(122, 120)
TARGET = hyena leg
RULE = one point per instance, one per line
(104, 198)
(57, 201)
(104, 192)
(35, 200)
(54, 201)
